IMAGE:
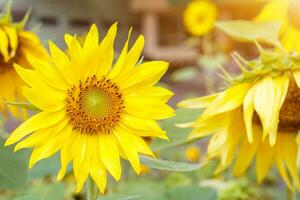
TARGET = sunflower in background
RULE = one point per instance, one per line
(199, 17)
(257, 116)
(15, 44)
(94, 111)
(286, 12)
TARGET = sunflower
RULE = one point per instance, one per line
(15, 44)
(94, 113)
(286, 12)
(256, 117)
(199, 17)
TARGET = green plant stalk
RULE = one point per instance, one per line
(92, 192)
(291, 194)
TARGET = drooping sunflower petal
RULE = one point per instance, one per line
(200, 102)
(263, 159)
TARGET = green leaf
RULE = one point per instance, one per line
(42, 190)
(193, 192)
(265, 32)
(13, 168)
(29, 197)
(178, 136)
(144, 187)
(24, 105)
(169, 165)
(119, 197)
(184, 74)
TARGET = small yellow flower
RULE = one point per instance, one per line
(257, 116)
(199, 17)
(286, 12)
(15, 44)
(93, 111)
(192, 154)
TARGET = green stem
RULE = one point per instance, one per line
(91, 190)
(291, 194)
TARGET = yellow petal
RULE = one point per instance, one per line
(134, 53)
(268, 99)
(247, 152)
(130, 150)
(110, 156)
(31, 78)
(264, 159)
(199, 102)
(148, 109)
(13, 37)
(228, 100)
(106, 51)
(38, 121)
(41, 101)
(155, 93)
(51, 75)
(51, 147)
(65, 156)
(280, 162)
(118, 70)
(85, 166)
(146, 74)
(142, 127)
(92, 39)
(209, 126)
(41, 136)
(4, 45)
(289, 150)
(248, 110)
(98, 174)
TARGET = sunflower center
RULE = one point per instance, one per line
(289, 117)
(94, 106)
(293, 13)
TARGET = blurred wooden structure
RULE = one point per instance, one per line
(151, 12)
(159, 20)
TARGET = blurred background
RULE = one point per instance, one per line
(194, 66)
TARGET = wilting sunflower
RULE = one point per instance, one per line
(286, 12)
(199, 17)
(15, 44)
(257, 116)
(93, 112)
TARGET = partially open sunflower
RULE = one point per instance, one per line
(93, 111)
(256, 117)
(15, 44)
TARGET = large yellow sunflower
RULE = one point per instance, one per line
(257, 116)
(15, 44)
(93, 112)
(199, 17)
(286, 12)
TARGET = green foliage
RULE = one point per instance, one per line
(184, 74)
(265, 32)
(169, 165)
(119, 197)
(42, 190)
(13, 168)
(193, 192)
